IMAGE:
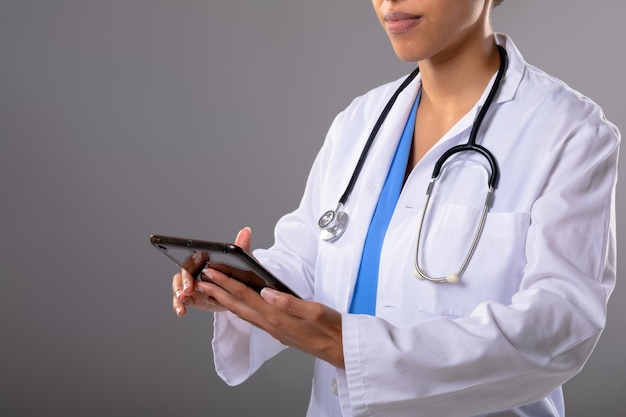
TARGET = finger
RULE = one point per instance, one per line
(235, 296)
(203, 301)
(177, 296)
(243, 239)
(205, 291)
(177, 287)
(178, 307)
(234, 287)
(187, 282)
(177, 284)
(287, 303)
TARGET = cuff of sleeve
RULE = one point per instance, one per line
(239, 349)
(231, 349)
(351, 381)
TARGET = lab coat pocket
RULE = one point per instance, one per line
(494, 270)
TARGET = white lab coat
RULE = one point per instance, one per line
(530, 307)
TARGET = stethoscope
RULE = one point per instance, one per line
(333, 223)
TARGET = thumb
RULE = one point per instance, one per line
(243, 239)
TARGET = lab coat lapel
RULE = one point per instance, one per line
(346, 252)
(367, 190)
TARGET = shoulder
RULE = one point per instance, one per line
(546, 97)
(551, 93)
(565, 113)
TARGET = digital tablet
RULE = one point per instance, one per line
(195, 255)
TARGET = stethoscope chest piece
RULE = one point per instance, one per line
(332, 224)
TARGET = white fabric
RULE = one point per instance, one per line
(530, 307)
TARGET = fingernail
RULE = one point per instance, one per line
(179, 311)
(268, 294)
(178, 294)
(206, 275)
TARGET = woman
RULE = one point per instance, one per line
(529, 306)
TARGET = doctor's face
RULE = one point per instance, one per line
(433, 29)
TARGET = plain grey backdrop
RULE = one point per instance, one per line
(122, 118)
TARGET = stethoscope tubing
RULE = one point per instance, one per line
(370, 140)
(494, 176)
(333, 223)
(471, 144)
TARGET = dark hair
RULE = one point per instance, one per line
(497, 2)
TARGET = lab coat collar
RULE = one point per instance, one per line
(514, 72)
(510, 84)
(382, 153)
(507, 91)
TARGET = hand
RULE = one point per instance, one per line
(184, 286)
(308, 326)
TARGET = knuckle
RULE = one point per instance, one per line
(239, 293)
(275, 321)
(317, 311)
(287, 304)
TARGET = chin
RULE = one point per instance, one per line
(408, 55)
(408, 51)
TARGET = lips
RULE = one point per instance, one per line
(400, 22)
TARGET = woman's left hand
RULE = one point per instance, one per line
(305, 325)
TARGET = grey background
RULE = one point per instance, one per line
(122, 118)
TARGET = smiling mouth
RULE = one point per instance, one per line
(400, 22)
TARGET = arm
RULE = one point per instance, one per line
(239, 347)
(502, 356)
(308, 326)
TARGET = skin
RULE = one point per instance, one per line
(308, 326)
(453, 43)
(454, 46)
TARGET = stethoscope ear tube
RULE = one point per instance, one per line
(333, 223)
(372, 136)
(471, 144)
(494, 176)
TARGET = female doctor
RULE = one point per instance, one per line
(435, 312)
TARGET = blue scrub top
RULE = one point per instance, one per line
(364, 298)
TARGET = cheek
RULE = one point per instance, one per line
(378, 11)
(457, 15)
(467, 16)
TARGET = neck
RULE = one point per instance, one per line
(452, 83)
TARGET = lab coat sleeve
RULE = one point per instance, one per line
(504, 356)
(240, 348)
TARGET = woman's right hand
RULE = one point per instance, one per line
(187, 293)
